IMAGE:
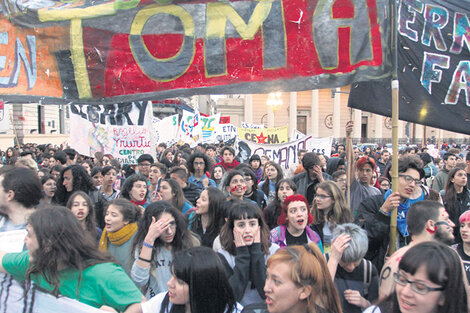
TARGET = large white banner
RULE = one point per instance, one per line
(165, 130)
(226, 132)
(285, 154)
(123, 130)
(209, 128)
(190, 129)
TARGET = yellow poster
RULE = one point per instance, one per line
(264, 136)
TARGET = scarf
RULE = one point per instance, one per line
(402, 211)
(141, 203)
(117, 238)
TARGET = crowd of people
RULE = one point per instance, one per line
(195, 230)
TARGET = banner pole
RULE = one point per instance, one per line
(395, 111)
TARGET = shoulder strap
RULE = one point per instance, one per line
(367, 276)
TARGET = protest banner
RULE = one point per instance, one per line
(97, 52)
(123, 130)
(226, 132)
(209, 128)
(189, 129)
(165, 130)
(268, 136)
(251, 125)
(287, 153)
(296, 135)
(433, 67)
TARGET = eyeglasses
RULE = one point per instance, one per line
(417, 287)
(409, 179)
(321, 197)
(144, 164)
(199, 163)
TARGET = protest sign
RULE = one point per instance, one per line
(166, 129)
(122, 130)
(209, 128)
(264, 136)
(190, 129)
(287, 153)
(226, 132)
(120, 51)
(251, 125)
(433, 67)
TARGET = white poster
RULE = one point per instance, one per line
(251, 125)
(165, 130)
(226, 132)
(209, 128)
(123, 130)
(286, 154)
(190, 129)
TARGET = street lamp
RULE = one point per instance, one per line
(274, 101)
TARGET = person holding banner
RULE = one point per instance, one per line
(64, 260)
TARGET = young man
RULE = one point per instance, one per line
(440, 180)
(157, 173)
(198, 166)
(373, 213)
(384, 161)
(228, 158)
(143, 163)
(427, 220)
(191, 191)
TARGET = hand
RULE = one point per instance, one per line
(349, 128)
(156, 228)
(354, 297)
(339, 245)
(317, 172)
(238, 239)
(258, 235)
(392, 202)
(158, 197)
(205, 181)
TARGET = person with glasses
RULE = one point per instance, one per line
(252, 192)
(293, 223)
(162, 232)
(373, 213)
(198, 166)
(143, 163)
(429, 279)
(427, 220)
(329, 209)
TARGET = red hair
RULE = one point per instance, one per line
(465, 217)
(282, 220)
(365, 160)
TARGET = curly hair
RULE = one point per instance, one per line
(81, 181)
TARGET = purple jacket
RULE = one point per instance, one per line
(278, 236)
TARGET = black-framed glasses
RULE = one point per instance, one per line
(409, 179)
(417, 287)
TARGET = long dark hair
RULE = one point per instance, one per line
(90, 221)
(63, 243)
(215, 212)
(238, 211)
(178, 194)
(450, 195)
(274, 208)
(81, 181)
(280, 175)
(183, 238)
(209, 288)
(443, 267)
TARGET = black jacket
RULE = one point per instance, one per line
(191, 192)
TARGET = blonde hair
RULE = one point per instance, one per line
(339, 213)
(308, 268)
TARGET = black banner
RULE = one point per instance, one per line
(433, 67)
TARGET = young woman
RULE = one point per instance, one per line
(456, 197)
(162, 232)
(64, 260)
(120, 229)
(48, 190)
(234, 185)
(429, 280)
(293, 224)
(109, 178)
(135, 190)
(197, 276)
(209, 216)
(10, 156)
(96, 176)
(329, 209)
(81, 206)
(284, 188)
(217, 173)
(255, 164)
(251, 188)
(167, 158)
(463, 248)
(171, 191)
(356, 278)
(384, 184)
(273, 173)
(245, 248)
(298, 280)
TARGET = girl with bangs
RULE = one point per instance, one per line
(329, 209)
(429, 279)
(163, 231)
(298, 281)
(293, 224)
(198, 285)
(245, 250)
